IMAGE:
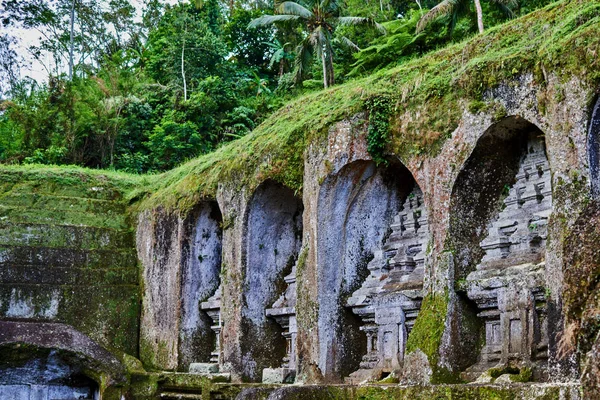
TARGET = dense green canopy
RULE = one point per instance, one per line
(149, 93)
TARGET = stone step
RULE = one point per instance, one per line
(180, 396)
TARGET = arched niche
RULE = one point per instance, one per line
(52, 360)
(594, 150)
(355, 208)
(200, 278)
(272, 237)
(500, 206)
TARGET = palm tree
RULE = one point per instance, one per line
(456, 8)
(280, 55)
(320, 18)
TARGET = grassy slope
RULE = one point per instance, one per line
(429, 94)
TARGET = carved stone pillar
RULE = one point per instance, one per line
(212, 307)
(284, 313)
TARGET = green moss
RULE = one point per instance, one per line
(427, 95)
(427, 333)
(524, 375)
(458, 392)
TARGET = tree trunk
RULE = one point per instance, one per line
(479, 15)
(330, 65)
(183, 65)
(71, 45)
(325, 82)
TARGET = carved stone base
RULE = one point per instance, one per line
(278, 375)
(364, 375)
(204, 368)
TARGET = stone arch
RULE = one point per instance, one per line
(499, 210)
(200, 278)
(271, 243)
(594, 150)
(43, 359)
(355, 208)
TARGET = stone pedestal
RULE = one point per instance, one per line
(204, 368)
(213, 308)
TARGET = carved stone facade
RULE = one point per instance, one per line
(508, 286)
(389, 300)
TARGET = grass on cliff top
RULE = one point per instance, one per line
(77, 181)
(429, 95)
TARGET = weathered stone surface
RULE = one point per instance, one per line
(200, 279)
(51, 360)
(67, 256)
(204, 368)
(272, 243)
(594, 150)
(182, 261)
(356, 206)
(480, 261)
(278, 375)
(159, 243)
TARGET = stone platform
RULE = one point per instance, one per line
(189, 386)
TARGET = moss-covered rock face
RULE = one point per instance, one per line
(66, 250)
(455, 120)
(582, 296)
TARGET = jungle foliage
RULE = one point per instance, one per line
(153, 88)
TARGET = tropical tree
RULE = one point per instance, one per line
(280, 55)
(454, 9)
(320, 18)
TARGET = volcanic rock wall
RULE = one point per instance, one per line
(68, 283)
(472, 260)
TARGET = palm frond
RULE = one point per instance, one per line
(293, 8)
(507, 6)
(271, 19)
(331, 6)
(506, 10)
(277, 56)
(349, 43)
(508, 3)
(361, 21)
(445, 8)
(304, 56)
(318, 40)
